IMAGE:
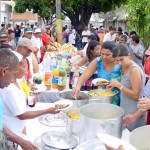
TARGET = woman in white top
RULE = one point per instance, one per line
(15, 102)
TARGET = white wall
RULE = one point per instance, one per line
(5, 14)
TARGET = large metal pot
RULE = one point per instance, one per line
(140, 138)
(102, 99)
(98, 118)
(82, 98)
(73, 121)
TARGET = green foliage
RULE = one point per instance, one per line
(71, 8)
(139, 18)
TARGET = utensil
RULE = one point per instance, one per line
(100, 118)
(76, 101)
(73, 121)
(53, 120)
(96, 94)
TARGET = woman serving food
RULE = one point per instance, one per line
(106, 67)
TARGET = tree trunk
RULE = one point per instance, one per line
(80, 24)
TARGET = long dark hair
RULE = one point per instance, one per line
(120, 50)
(91, 47)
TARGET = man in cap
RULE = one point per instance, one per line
(4, 42)
(37, 42)
(8, 66)
(28, 32)
(25, 48)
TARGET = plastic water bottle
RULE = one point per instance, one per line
(53, 64)
(75, 79)
(46, 62)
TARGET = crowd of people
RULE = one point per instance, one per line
(116, 56)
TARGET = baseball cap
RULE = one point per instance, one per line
(3, 36)
(37, 30)
(28, 30)
(148, 51)
(27, 43)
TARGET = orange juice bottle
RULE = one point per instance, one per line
(47, 81)
(55, 75)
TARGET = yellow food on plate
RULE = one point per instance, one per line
(92, 92)
(61, 106)
(107, 93)
(73, 114)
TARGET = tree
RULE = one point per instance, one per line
(78, 11)
(139, 17)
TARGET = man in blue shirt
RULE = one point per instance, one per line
(8, 67)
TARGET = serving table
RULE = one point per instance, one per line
(35, 129)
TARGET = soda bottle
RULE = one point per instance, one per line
(55, 75)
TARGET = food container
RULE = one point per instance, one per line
(81, 99)
(101, 95)
(140, 138)
(73, 121)
(100, 118)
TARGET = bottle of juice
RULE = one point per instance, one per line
(55, 74)
(48, 78)
(62, 78)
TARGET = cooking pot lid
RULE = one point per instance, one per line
(92, 145)
(58, 120)
(37, 142)
(61, 140)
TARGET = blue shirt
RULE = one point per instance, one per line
(115, 73)
(1, 113)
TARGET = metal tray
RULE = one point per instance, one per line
(57, 120)
(60, 140)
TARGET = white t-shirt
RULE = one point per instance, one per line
(72, 38)
(109, 37)
(85, 49)
(31, 65)
(15, 104)
(37, 42)
(85, 39)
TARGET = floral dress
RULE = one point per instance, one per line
(115, 73)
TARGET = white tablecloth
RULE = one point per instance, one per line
(36, 129)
